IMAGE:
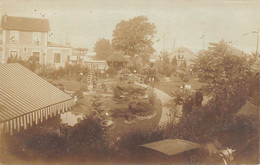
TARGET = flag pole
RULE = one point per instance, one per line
(204, 42)
(163, 40)
(257, 40)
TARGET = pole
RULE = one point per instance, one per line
(163, 40)
(257, 39)
(204, 41)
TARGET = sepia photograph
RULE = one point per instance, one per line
(129, 82)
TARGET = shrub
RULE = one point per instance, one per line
(88, 137)
(111, 71)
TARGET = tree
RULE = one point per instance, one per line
(134, 37)
(174, 61)
(103, 49)
(227, 73)
(164, 66)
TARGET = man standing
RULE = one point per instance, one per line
(198, 97)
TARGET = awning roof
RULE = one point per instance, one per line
(172, 147)
(22, 92)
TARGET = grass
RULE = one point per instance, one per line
(175, 84)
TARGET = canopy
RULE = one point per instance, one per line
(172, 147)
(23, 92)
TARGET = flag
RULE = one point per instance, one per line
(202, 36)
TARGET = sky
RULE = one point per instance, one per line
(182, 21)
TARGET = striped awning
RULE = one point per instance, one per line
(23, 92)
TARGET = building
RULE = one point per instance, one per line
(23, 38)
(183, 54)
(78, 55)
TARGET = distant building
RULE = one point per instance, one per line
(89, 56)
(97, 64)
(78, 55)
(23, 37)
(183, 54)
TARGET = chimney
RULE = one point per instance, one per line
(5, 17)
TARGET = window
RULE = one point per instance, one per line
(36, 38)
(14, 36)
(13, 54)
(57, 57)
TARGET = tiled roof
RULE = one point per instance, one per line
(22, 92)
(25, 24)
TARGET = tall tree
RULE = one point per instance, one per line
(134, 37)
(103, 49)
(227, 72)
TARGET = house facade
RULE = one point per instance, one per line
(183, 54)
(26, 37)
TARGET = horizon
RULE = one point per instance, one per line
(185, 21)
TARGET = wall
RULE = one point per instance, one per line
(26, 38)
(25, 45)
(65, 53)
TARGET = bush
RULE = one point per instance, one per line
(88, 137)
(128, 147)
(111, 71)
(126, 91)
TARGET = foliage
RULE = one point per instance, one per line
(226, 72)
(164, 66)
(183, 65)
(136, 98)
(32, 63)
(111, 71)
(87, 137)
(126, 91)
(128, 147)
(174, 61)
(103, 49)
(134, 37)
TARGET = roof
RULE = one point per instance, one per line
(184, 49)
(25, 24)
(22, 92)
(172, 147)
(188, 54)
(81, 49)
(53, 44)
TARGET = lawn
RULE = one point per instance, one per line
(174, 84)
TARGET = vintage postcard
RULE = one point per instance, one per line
(129, 82)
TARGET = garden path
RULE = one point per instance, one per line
(165, 98)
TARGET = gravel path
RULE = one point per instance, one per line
(165, 98)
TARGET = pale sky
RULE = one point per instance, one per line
(86, 21)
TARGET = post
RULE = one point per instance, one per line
(163, 40)
(257, 39)
(204, 42)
